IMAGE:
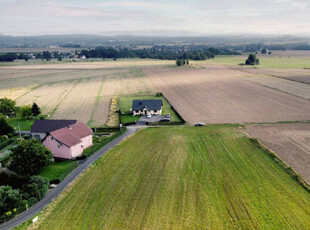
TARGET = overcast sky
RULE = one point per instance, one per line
(143, 17)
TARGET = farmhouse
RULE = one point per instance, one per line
(70, 141)
(147, 107)
(41, 128)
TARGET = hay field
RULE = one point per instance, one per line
(291, 142)
(218, 95)
(14, 93)
(292, 87)
(189, 178)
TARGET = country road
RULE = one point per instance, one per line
(24, 216)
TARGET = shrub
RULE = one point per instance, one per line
(36, 187)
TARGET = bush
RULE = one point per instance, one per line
(5, 128)
(252, 60)
(36, 187)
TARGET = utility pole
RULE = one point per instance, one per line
(20, 135)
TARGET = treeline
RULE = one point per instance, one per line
(156, 52)
(9, 57)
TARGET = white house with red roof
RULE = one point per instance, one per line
(70, 141)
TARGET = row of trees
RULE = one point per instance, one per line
(8, 108)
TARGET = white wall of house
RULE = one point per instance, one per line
(146, 112)
(38, 136)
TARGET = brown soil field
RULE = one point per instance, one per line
(291, 142)
(101, 112)
(300, 75)
(292, 87)
(217, 94)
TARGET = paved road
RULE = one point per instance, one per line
(67, 181)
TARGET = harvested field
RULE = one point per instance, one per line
(90, 64)
(47, 96)
(292, 87)
(291, 142)
(182, 178)
(14, 93)
(79, 102)
(128, 83)
(101, 112)
(218, 95)
(19, 78)
(299, 75)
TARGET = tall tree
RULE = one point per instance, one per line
(5, 128)
(8, 107)
(28, 157)
(252, 60)
(35, 109)
(26, 111)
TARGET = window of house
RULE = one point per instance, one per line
(52, 138)
(155, 111)
(82, 146)
(58, 146)
(137, 111)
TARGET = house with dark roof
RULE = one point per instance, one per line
(70, 141)
(41, 128)
(147, 107)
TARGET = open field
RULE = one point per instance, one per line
(189, 178)
(14, 93)
(84, 95)
(299, 75)
(292, 87)
(218, 95)
(291, 142)
(86, 64)
(265, 61)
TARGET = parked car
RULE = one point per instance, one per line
(200, 124)
(148, 116)
(168, 115)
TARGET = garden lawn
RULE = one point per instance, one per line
(126, 104)
(210, 177)
(24, 124)
(58, 170)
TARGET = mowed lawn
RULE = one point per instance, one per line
(183, 178)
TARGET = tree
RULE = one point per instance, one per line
(263, 51)
(269, 52)
(28, 157)
(26, 111)
(252, 60)
(8, 107)
(36, 187)
(5, 128)
(11, 203)
(46, 55)
(35, 109)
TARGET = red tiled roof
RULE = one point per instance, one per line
(72, 134)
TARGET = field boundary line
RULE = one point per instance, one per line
(290, 171)
(98, 97)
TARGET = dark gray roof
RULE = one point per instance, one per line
(47, 126)
(149, 104)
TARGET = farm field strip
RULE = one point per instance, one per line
(46, 96)
(291, 142)
(79, 102)
(14, 93)
(292, 87)
(206, 178)
(218, 95)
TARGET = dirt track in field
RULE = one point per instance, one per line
(291, 142)
(217, 94)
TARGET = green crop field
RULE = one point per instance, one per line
(266, 62)
(183, 178)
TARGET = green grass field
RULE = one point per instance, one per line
(266, 62)
(58, 170)
(183, 178)
(24, 124)
(126, 104)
